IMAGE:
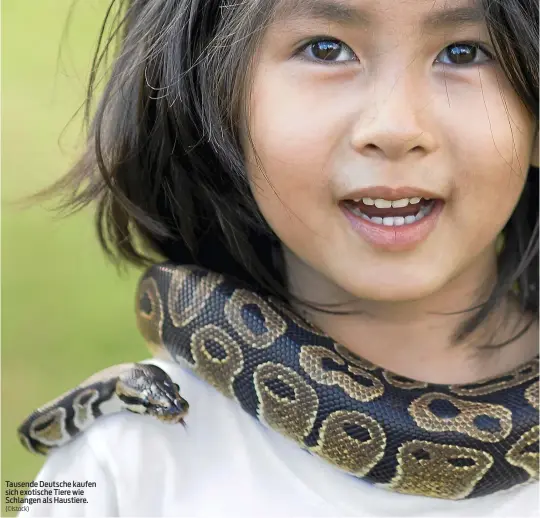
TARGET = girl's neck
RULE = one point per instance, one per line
(408, 338)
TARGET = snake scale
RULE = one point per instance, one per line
(444, 441)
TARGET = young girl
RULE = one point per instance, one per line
(372, 164)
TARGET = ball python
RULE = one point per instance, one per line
(443, 441)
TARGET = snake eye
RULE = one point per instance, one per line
(177, 387)
(131, 400)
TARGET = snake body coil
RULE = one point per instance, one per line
(444, 441)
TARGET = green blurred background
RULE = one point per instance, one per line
(66, 311)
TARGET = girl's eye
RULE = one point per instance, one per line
(334, 51)
(327, 50)
(464, 54)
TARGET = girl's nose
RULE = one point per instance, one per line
(394, 126)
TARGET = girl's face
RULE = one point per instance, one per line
(381, 101)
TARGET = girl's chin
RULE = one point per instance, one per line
(392, 291)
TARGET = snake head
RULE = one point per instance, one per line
(147, 389)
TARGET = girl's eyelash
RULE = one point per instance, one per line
(300, 53)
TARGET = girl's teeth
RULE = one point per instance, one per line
(409, 219)
(400, 203)
(394, 221)
(386, 204)
(382, 204)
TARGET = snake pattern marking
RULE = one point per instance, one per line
(444, 441)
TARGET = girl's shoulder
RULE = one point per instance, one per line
(224, 463)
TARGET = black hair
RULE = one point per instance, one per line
(164, 162)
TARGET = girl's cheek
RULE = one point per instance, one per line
(295, 151)
(297, 121)
(493, 149)
(291, 139)
(502, 123)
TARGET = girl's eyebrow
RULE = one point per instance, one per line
(343, 13)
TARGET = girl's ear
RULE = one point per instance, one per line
(535, 158)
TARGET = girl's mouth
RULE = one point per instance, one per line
(407, 211)
(393, 224)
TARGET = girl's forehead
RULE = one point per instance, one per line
(429, 14)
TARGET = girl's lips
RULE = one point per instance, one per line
(395, 238)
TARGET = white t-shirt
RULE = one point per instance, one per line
(225, 463)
